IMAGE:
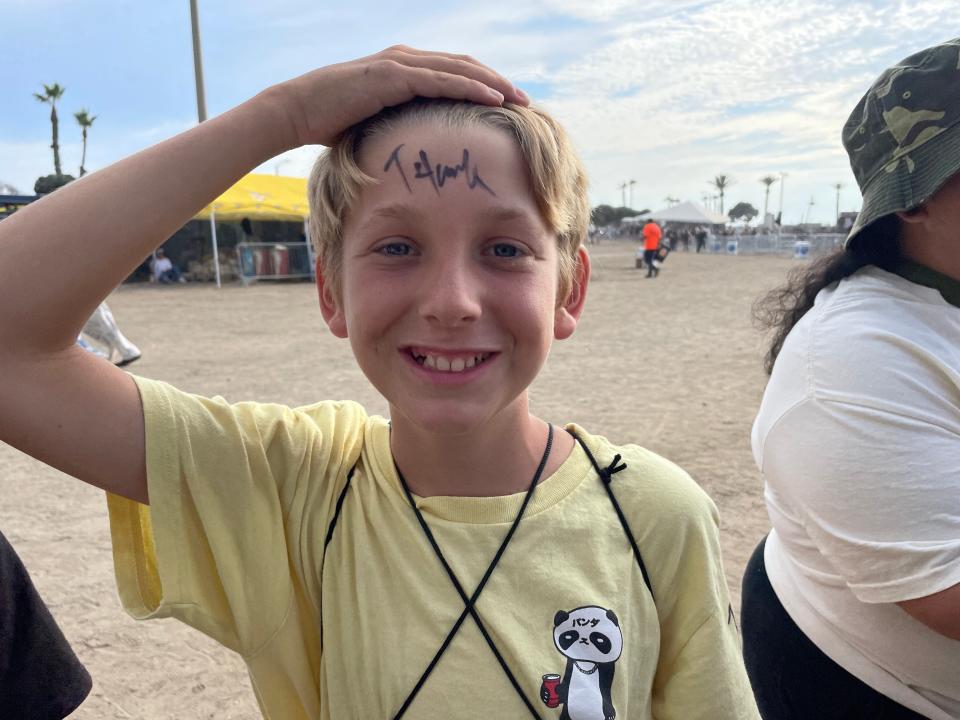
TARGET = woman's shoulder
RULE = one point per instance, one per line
(873, 327)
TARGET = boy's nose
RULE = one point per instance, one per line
(450, 295)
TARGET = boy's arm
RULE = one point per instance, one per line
(60, 256)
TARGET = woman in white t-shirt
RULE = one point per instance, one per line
(851, 605)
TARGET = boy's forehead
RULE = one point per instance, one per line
(430, 156)
(430, 170)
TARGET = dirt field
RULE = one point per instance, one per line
(671, 363)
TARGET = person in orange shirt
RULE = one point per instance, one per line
(651, 241)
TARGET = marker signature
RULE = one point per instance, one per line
(438, 174)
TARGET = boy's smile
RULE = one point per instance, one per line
(450, 278)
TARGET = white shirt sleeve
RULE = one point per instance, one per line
(877, 491)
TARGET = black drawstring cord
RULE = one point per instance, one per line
(469, 604)
(606, 474)
(328, 538)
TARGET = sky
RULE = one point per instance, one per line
(668, 94)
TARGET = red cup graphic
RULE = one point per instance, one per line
(548, 690)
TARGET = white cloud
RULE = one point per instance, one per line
(667, 92)
(739, 87)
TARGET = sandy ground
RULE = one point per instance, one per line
(671, 363)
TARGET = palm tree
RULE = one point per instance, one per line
(721, 183)
(85, 121)
(671, 201)
(767, 180)
(52, 93)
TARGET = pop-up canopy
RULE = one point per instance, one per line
(257, 197)
(261, 197)
(688, 212)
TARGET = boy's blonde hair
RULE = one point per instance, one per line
(556, 175)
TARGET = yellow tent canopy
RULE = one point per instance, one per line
(261, 197)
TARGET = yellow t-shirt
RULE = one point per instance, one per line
(241, 500)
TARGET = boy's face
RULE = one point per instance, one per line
(449, 278)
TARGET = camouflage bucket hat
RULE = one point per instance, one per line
(903, 137)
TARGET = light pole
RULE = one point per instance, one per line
(623, 194)
(198, 62)
(201, 117)
(632, 183)
(276, 167)
(783, 177)
(837, 187)
(806, 215)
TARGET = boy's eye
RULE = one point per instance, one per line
(506, 250)
(395, 249)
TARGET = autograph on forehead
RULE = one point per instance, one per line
(438, 174)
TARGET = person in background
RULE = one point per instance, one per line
(851, 605)
(164, 271)
(651, 243)
(701, 235)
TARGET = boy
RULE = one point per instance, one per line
(464, 559)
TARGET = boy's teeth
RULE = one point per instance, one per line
(439, 362)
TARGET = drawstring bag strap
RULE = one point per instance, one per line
(470, 603)
(328, 538)
(606, 476)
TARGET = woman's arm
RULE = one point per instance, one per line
(940, 611)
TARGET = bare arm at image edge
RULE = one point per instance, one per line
(940, 611)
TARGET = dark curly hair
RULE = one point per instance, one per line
(779, 310)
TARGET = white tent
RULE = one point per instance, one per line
(688, 212)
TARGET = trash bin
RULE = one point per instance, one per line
(247, 262)
(732, 247)
(281, 260)
(639, 260)
(262, 265)
(801, 250)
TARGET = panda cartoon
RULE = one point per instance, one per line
(591, 640)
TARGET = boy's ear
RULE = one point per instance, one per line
(568, 312)
(330, 305)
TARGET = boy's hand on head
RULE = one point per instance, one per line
(325, 102)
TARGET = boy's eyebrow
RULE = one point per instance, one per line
(506, 214)
(396, 211)
(403, 211)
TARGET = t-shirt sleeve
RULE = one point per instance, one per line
(876, 486)
(230, 487)
(700, 673)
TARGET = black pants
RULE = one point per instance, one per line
(40, 677)
(648, 258)
(791, 678)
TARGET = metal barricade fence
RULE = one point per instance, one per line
(796, 245)
(274, 261)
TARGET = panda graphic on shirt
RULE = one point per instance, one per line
(590, 639)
